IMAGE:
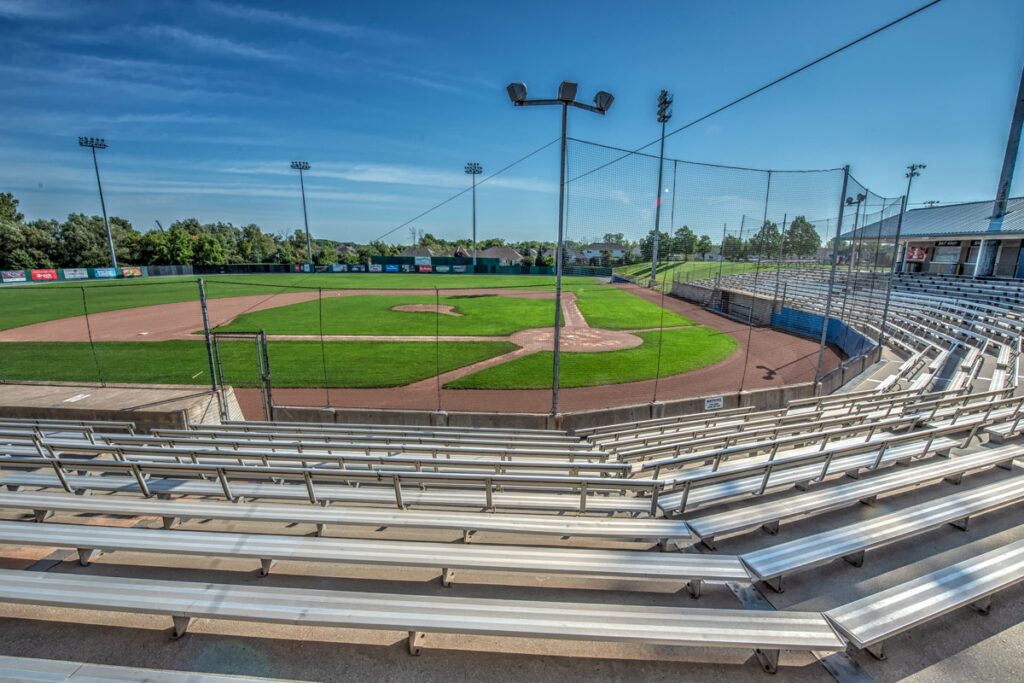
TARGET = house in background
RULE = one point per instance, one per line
(572, 256)
(344, 250)
(597, 249)
(460, 252)
(417, 251)
(507, 256)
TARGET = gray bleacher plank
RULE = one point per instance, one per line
(32, 669)
(419, 614)
(750, 516)
(874, 618)
(598, 563)
(618, 528)
(771, 563)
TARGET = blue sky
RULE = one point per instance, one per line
(204, 103)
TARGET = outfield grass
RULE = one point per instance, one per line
(372, 314)
(292, 363)
(614, 309)
(24, 305)
(683, 350)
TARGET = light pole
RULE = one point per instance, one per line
(474, 169)
(566, 98)
(850, 274)
(912, 172)
(664, 114)
(95, 144)
(301, 166)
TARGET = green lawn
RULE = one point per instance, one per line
(614, 309)
(683, 350)
(372, 314)
(292, 363)
(23, 305)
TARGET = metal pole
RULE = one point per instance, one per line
(474, 221)
(103, 205)
(832, 275)
(559, 247)
(657, 207)
(895, 255)
(778, 266)
(1009, 161)
(206, 332)
(305, 219)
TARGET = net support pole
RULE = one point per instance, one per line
(559, 257)
(832, 275)
(206, 332)
(657, 207)
(778, 264)
(892, 270)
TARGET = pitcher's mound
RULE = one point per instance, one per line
(576, 339)
(443, 309)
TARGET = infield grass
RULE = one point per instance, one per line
(373, 314)
(298, 364)
(683, 350)
(27, 304)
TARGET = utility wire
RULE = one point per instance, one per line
(766, 86)
(462, 192)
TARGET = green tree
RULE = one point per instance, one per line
(685, 242)
(766, 241)
(9, 209)
(802, 240)
(647, 246)
(179, 246)
(614, 237)
(208, 251)
(704, 246)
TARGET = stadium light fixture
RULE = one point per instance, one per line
(664, 114)
(474, 169)
(897, 260)
(566, 98)
(95, 144)
(301, 166)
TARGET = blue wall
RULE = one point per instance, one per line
(851, 342)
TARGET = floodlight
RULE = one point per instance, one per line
(567, 91)
(300, 165)
(516, 92)
(473, 168)
(603, 100)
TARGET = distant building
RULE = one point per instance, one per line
(459, 252)
(597, 249)
(572, 256)
(507, 256)
(417, 251)
(344, 250)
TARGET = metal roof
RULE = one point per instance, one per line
(971, 218)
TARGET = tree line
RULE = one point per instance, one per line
(800, 240)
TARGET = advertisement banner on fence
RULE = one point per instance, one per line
(359, 268)
(376, 268)
(916, 254)
(421, 260)
(339, 267)
(13, 276)
(406, 268)
(45, 274)
(75, 273)
(104, 272)
(131, 271)
(442, 269)
(426, 269)
(458, 269)
(391, 267)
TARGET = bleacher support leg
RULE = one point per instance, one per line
(961, 524)
(321, 529)
(693, 587)
(870, 500)
(769, 660)
(983, 606)
(856, 559)
(775, 584)
(42, 515)
(86, 555)
(771, 528)
(877, 651)
(170, 522)
(1007, 465)
(265, 565)
(416, 639)
(181, 625)
(447, 577)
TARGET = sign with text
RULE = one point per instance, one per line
(75, 273)
(131, 271)
(357, 268)
(104, 272)
(442, 269)
(339, 268)
(391, 267)
(458, 269)
(406, 268)
(716, 403)
(916, 254)
(45, 274)
(13, 276)
(426, 269)
(421, 260)
(376, 268)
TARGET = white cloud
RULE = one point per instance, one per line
(318, 24)
(214, 44)
(35, 9)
